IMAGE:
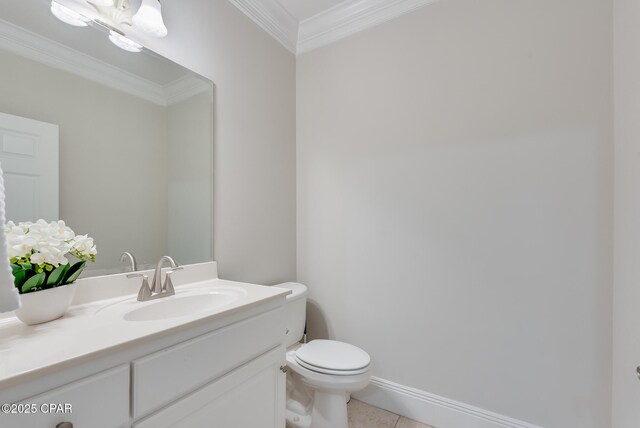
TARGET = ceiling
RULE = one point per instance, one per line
(304, 25)
(299, 25)
(303, 9)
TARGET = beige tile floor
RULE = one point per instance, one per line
(362, 415)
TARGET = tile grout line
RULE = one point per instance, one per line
(397, 421)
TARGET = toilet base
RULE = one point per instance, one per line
(319, 400)
(329, 410)
(295, 420)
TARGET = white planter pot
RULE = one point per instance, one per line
(45, 305)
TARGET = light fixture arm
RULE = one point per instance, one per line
(116, 15)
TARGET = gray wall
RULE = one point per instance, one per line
(254, 139)
(626, 329)
(455, 206)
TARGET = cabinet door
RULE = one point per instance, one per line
(252, 396)
(163, 377)
(99, 401)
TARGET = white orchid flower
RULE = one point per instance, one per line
(43, 243)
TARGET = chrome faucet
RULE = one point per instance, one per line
(127, 256)
(156, 284)
(157, 289)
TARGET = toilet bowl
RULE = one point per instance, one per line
(322, 373)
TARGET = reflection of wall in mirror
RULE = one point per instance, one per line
(113, 152)
(190, 191)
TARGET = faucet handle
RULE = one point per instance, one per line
(145, 289)
(167, 288)
(168, 283)
(137, 275)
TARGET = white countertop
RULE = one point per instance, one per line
(95, 328)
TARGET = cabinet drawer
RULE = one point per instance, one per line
(169, 374)
(252, 396)
(99, 401)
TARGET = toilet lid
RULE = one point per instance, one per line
(331, 356)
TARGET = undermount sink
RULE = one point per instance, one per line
(183, 303)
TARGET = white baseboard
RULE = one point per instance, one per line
(432, 409)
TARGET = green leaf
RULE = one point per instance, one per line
(74, 272)
(26, 266)
(15, 267)
(55, 278)
(33, 282)
(20, 276)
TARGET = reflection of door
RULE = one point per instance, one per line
(29, 158)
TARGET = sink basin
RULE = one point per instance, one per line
(183, 303)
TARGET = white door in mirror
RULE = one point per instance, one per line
(29, 157)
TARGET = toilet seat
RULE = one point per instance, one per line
(333, 357)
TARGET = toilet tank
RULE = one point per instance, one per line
(296, 311)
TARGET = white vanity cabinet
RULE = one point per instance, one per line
(227, 377)
(217, 379)
(98, 401)
(251, 396)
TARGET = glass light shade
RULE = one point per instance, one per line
(149, 18)
(68, 16)
(123, 42)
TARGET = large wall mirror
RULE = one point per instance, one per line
(119, 145)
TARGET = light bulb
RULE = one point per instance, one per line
(149, 18)
(68, 16)
(123, 42)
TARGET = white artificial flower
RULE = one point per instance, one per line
(84, 246)
(18, 242)
(47, 243)
(51, 255)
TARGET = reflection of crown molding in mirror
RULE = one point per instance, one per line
(30, 45)
(184, 88)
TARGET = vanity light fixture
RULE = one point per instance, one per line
(149, 18)
(68, 16)
(115, 16)
(123, 42)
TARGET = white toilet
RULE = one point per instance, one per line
(322, 373)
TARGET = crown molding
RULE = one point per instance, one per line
(338, 22)
(273, 18)
(348, 18)
(32, 46)
(184, 88)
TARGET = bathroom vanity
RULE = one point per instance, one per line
(212, 355)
